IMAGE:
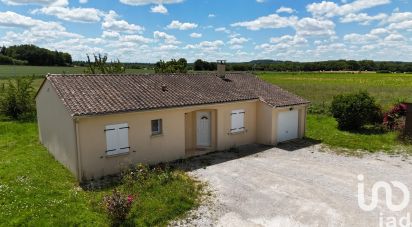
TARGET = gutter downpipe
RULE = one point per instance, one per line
(78, 154)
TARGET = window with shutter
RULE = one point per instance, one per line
(117, 139)
(237, 120)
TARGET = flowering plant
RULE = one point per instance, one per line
(393, 119)
(118, 205)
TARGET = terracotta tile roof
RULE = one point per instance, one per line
(105, 94)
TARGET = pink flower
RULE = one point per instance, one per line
(130, 198)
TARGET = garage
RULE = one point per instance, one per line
(287, 124)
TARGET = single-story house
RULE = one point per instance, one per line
(98, 124)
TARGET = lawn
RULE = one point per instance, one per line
(36, 190)
(11, 70)
(324, 129)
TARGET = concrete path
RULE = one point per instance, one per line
(296, 184)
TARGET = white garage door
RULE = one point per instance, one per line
(288, 123)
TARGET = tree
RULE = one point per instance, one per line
(3, 50)
(172, 66)
(17, 98)
(100, 65)
(198, 65)
(36, 56)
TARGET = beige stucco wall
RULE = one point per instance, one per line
(265, 124)
(171, 145)
(56, 127)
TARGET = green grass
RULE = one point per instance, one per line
(324, 129)
(11, 70)
(36, 190)
(320, 88)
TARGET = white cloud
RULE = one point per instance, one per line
(169, 39)
(222, 29)
(378, 31)
(83, 1)
(148, 2)
(362, 18)
(111, 23)
(395, 38)
(159, 9)
(291, 40)
(12, 19)
(110, 34)
(399, 17)
(400, 21)
(37, 2)
(285, 10)
(195, 35)
(236, 47)
(260, 1)
(270, 21)
(355, 38)
(211, 15)
(315, 27)
(331, 9)
(181, 26)
(404, 25)
(206, 45)
(86, 15)
(235, 41)
(135, 38)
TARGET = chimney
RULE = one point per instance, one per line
(408, 121)
(221, 68)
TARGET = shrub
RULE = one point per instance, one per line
(352, 111)
(395, 118)
(17, 98)
(117, 206)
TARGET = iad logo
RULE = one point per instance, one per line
(387, 188)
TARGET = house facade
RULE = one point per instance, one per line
(96, 125)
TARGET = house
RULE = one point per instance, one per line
(98, 124)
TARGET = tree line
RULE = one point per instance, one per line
(336, 65)
(33, 55)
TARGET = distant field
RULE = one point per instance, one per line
(321, 87)
(10, 70)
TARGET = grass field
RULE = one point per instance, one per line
(324, 129)
(36, 190)
(320, 88)
(10, 70)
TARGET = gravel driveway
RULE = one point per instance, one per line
(293, 185)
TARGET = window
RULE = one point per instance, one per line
(237, 117)
(117, 139)
(157, 127)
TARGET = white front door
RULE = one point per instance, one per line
(288, 124)
(203, 129)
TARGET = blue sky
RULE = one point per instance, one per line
(235, 30)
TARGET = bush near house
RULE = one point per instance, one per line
(352, 111)
(394, 119)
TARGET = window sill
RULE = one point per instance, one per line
(239, 132)
(156, 135)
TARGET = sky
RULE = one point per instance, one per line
(233, 30)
